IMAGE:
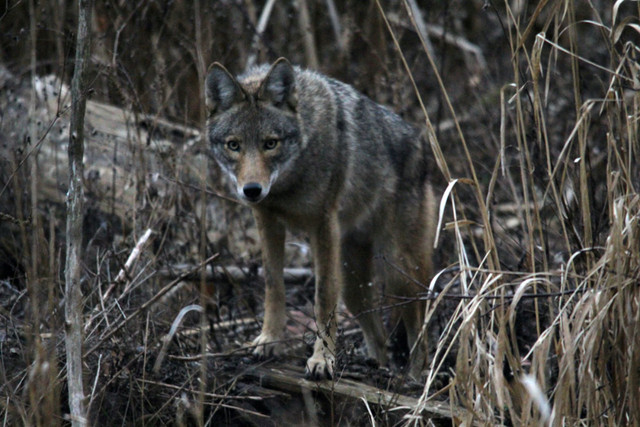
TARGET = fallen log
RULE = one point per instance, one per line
(291, 380)
(125, 151)
(141, 171)
(233, 273)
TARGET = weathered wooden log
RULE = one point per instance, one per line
(291, 380)
(125, 152)
(236, 274)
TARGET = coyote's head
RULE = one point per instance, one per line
(252, 129)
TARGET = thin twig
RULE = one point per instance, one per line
(213, 396)
(149, 303)
(262, 25)
(335, 24)
(135, 253)
(414, 10)
(207, 191)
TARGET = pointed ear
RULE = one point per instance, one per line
(222, 89)
(279, 87)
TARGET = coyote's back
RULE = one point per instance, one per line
(306, 151)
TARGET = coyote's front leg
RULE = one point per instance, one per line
(272, 233)
(325, 242)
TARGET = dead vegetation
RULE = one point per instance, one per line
(532, 111)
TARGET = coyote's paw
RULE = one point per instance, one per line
(320, 367)
(266, 345)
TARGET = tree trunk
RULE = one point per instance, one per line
(75, 211)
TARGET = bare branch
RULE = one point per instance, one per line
(135, 253)
(262, 25)
(335, 24)
(413, 8)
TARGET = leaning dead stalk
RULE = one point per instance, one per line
(75, 215)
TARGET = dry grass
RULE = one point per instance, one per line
(584, 282)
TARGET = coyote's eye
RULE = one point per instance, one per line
(233, 145)
(271, 143)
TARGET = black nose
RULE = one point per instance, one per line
(252, 190)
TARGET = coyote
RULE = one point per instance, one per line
(309, 152)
